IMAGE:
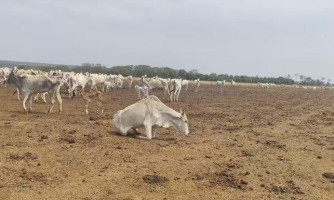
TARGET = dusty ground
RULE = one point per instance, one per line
(247, 143)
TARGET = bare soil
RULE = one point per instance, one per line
(246, 143)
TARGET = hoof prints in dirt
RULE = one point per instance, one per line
(329, 176)
(226, 179)
(290, 189)
(274, 144)
(26, 156)
(155, 179)
(33, 176)
(69, 139)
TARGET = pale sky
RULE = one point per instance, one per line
(237, 37)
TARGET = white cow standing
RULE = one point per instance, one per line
(129, 80)
(174, 88)
(76, 81)
(185, 83)
(4, 72)
(141, 90)
(153, 83)
(96, 80)
(233, 82)
(220, 84)
(196, 84)
(150, 113)
(29, 85)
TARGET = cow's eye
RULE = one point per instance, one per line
(186, 121)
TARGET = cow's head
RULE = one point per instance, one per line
(12, 77)
(184, 124)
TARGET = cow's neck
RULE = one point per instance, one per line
(173, 119)
(17, 80)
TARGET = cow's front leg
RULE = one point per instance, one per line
(18, 94)
(154, 130)
(148, 128)
(135, 131)
(24, 102)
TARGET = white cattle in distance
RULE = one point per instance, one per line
(264, 85)
(196, 84)
(174, 89)
(109, 86)
(29, 85)
(141, 90)
(185, 83)
(220, 85)
(117, 79)
(233, 82)
(129, 80)
(96, 80)
(150, 113)
(76, 82)
(154, 83)
(4, 72)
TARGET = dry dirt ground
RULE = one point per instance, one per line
(246, 143)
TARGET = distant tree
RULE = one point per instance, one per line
(182, 73)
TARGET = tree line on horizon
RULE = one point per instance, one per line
(167, 72)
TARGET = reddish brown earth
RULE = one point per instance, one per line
(246, 143)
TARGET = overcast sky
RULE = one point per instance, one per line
(238, 37)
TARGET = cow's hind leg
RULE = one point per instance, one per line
(99, 103)
(52, 97)
(86, 107)
(36, 97)
(171, 96)
(43, 97)
(177, 95)
(60, 101)
(30, 103)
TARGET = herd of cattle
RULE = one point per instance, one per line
(148, 112)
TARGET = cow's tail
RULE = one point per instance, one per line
(171, 86)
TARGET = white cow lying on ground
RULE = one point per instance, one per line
(29, 85)
(174, 88)
(149, 113)
(141, 90)
(220, 84)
